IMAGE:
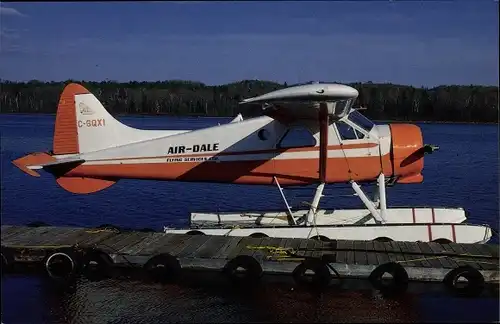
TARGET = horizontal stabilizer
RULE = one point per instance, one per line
(56, 163)
(41, 160)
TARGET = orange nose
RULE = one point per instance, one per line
(407, 158)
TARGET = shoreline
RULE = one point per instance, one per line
(386, 121)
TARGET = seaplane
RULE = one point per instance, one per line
(337, 144)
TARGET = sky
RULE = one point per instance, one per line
(419, 43)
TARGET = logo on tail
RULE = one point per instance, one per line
(85, 110)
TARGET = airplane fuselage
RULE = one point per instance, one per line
(295, 145)
(253, 151)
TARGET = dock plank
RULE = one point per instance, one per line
(345, 245)
(378, 247)
(360, 257)
(241, 248)
(302, 250)
(64, 237)
(197, 242)
(224, 251)
(382, 257)
(210, 248)
(492, 249)
(309, 250)
(318, 247)
(350, 258)
(117, 242)
(38, 236)
(175, 244)
(372, 258)
(73, 238)
(475, 250)
(24, 237)
(12, 231)
(457, 248)
(393, 247)
(149, 240)
(489, 264)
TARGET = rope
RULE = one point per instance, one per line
(232, 228)
(290, 254)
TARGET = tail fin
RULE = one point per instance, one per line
(84, 125)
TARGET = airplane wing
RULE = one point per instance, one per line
(319, 103)
(304, 101)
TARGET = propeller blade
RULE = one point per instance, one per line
(418, 154)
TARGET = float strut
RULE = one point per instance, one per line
(383, 200)
(289, 211)
(367, 202)
(314, 205)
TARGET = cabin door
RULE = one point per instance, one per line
(358, 151)
(296, 159)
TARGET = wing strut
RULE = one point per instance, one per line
(289, 211)
(323, 141)
(323, 158)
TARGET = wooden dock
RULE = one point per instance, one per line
(63, 252)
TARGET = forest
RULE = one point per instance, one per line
(383, 101)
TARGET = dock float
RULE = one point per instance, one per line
(389, 267)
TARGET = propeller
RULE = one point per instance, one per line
(418, 154)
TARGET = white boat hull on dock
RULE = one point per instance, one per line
(407, 215)
(443, 233)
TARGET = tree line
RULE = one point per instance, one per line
(386, 101)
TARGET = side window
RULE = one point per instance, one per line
(359, 134)
(347, 132)
(297, 137)
(263, 134)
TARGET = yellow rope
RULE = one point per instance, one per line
(288, 254)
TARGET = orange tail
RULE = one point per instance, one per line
(65, 143)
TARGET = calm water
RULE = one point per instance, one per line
(464, 172)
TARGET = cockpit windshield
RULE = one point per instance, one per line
(360, 120)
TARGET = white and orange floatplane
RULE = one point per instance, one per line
(336, 144)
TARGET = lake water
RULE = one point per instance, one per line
(464, 172)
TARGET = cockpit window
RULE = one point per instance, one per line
(342, 106)
(360, 120)
(348, 132)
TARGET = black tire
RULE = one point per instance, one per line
(321, 274)
(475, 281)
(37, 224)
(163, 268)
(383, 239)
(442, 241)
(258, 235)
(252, 270)
(97, 265)
(195, 233)
(62, 264)
(398, 285)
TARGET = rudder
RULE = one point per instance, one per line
(65, 132)
(83, 125)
